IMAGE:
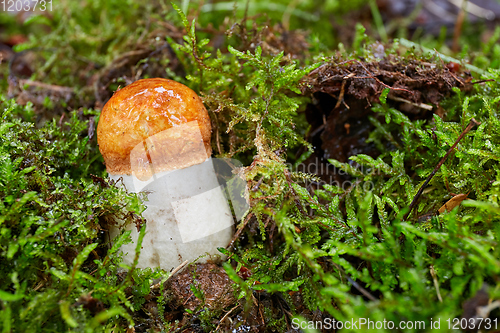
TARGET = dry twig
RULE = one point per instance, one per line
(472, 123)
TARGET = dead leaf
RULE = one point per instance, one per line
(452, 203)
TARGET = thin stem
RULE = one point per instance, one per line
(472, 123)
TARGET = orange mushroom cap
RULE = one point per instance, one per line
(156, 122)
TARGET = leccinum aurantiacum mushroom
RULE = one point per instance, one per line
(154, 136)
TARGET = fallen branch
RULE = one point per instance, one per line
(472, 123)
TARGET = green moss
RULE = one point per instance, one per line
(358, 233)
(51, 213)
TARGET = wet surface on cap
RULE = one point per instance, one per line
(147, 108)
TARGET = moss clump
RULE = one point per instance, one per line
(53, 252)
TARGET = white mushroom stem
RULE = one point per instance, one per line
(187, 216)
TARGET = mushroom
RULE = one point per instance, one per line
(154, 136)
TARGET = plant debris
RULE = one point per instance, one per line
(212, 282)
(343, 92)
